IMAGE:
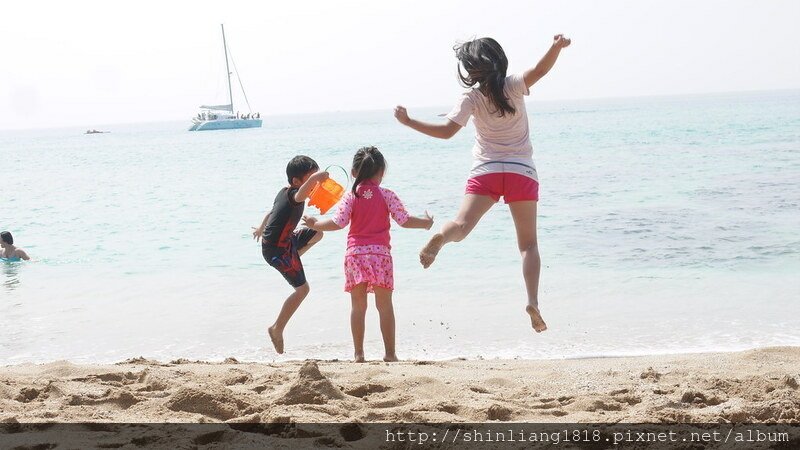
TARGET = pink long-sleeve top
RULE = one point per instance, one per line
(368, 216)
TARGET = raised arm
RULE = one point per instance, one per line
(302, 194)
(441, 130)
(548, 60)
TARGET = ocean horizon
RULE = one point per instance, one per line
(443, 107)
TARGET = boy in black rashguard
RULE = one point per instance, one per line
(282, 245)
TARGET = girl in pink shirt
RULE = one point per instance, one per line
(368, 260)
(503, 154)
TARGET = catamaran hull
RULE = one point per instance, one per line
(225, 124)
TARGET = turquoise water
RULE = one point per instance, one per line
(665, 225)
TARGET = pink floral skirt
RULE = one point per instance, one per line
(370, 268)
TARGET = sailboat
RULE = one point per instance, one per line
(221, 117)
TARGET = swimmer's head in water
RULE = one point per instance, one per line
(298, 168)
(7, 238)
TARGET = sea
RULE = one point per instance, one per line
(666, 225)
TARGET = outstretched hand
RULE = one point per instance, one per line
(560, 41)
(310, 221)
(257, 233)
(401, 114)
(429, 218)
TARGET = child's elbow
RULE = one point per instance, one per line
(450, 130)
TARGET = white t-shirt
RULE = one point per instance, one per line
(502, 144)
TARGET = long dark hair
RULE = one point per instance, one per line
(486, 64)
(367, 163)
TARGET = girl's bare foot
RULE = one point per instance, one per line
(428, 253)
(358, 358)
(536, 319)
(276, 338)
(391, 358)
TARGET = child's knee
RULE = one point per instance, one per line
(383, 305)
(530, 246)
(303, 289)
(319, 235)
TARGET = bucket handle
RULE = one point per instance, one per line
(346, 175)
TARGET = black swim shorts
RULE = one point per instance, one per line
(286, 260)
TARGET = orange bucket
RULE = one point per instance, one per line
(326, 194)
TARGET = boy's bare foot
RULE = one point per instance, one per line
(536, 319)
(276, 338)
(359, 358)
(428, 253)
(391, 358)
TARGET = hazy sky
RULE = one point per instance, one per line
(88, 63)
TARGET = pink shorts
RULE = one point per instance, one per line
(513, 187)
(375, 270)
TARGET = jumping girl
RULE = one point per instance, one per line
(503, 154)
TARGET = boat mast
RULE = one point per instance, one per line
(227, 69)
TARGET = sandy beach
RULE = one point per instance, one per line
(758, 385)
